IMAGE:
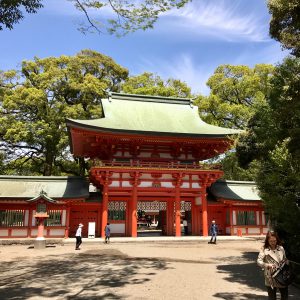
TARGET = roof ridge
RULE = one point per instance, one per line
(149, 98)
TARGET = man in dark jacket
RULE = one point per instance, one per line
(213, 232)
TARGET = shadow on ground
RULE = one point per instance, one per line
(244, 270)
(89, 275)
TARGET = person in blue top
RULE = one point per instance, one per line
(107, 233)
(213, 232)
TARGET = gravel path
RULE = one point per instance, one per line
(185, 270)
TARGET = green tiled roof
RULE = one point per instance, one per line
(151, 115)
(235, 190)
(31, 186)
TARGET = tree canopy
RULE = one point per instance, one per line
(285, 23)
(273, 141)
(234, 93)
(35, 101)
(150, 84)
(126, 15)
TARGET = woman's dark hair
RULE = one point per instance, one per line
(272, 234)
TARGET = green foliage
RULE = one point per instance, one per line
(271, 140)
(36, 101)
(11, 12)
(285, 23)
(150, 84)
(235, 92)
(233, 171)
(128, 15)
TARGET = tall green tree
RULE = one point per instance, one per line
(150, 84)
(35, 101)
(285, 23)
(273, 140)
(234, 93)
(126, 15)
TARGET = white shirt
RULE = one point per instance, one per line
(78, 232)
(184, 222)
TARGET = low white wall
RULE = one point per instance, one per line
(19, 232)
(117, 228)
(56, 232)
(3, 232)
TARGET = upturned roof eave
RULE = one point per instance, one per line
(98, 129)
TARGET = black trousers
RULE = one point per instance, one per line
(283, 292)
(78, 241)
(186, 230)
(213, 238)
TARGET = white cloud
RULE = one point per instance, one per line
(227, 20)
(181, 67)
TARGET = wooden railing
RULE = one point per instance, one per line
(152, 164)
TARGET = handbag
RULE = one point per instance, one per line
(284, 276)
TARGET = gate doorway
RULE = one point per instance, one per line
(151, 218)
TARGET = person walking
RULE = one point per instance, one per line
(270, 257)
(78, 236)
(213, 232)
(185, 226)
(107, 233)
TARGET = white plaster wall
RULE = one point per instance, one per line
(117, 228)
(265, 230)
(185, 185)
(253, 230)
(126, 184)
(35, 231)
(26, 218)
(33, 221)
(198, 201)
(195, 185)
(233, 217)
(64, 217)
(263, 219)
(56, 232)
(257, 218)
(165, 155)
(167, 185)
(115, 184)
(19, 232)
(3, 232)
(145, 154)
(146, 176)
(146, 184)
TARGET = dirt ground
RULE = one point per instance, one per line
(165, 270)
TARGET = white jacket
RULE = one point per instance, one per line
(268, 256)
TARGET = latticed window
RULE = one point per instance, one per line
(245, 218)
(55, 218)
(117, 210)
(185, 206)
(14, 217)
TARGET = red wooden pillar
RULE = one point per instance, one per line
(134, 210)
(30, 214)
(196, 215)
(204, 210)
(128, 218)
(177, 211)
(104, 208)
(170, 217)
(68, 209)
(231, 220)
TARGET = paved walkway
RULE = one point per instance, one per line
(169, 268)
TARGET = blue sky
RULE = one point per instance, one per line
(186, 44)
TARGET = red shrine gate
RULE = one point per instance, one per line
(148, 148)
(180, 188)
